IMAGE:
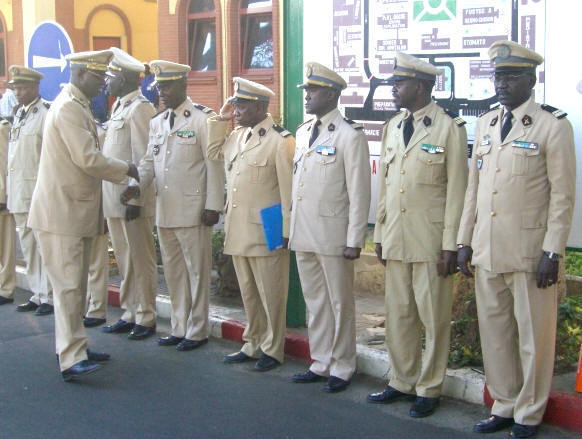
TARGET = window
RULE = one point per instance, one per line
(256, 34)
(2, 49)
(202, 35)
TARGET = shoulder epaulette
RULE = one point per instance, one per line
(353, 124)
(455, 116)
(558, 114)
(281, 130)
(204, 109)
(4, 122)
(301, 124)
(47, 105)
(495, 107)
(79, 101)
(157, 114)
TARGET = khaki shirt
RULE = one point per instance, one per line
(67, 196)
(259, 172)
(4, 133)
(24, 154)
(127, 139)
(521, 191)
(331, 187)
(186, 181)
(421, 186)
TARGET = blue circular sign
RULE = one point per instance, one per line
(47, 49)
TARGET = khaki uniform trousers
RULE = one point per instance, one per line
(35, 272)
(187, 257)
(67, 264)
(517, 324)
(417, 297)
(98, 277)
(264, 282)
(135, 252)
(327, 283)
(7, 256)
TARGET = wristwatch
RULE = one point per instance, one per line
(552, 256)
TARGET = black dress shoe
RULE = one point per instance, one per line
(335, 384)
(44, 310)
(237, 357)
(522, 431)
(492, 424)
(90, 322)
(5, 300)
(423, 407)
(118, 327)
(140, 332)
(28, 306)
(388, 396)
(81, 368)
(266, 363)
(97, 356)
(307, 377)
(188, 345)
(170, 340)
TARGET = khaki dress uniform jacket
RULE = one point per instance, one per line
(7, 226)
(259, 172)
(23, 160)
(186, 182)
(519, 203)
(330, 206)
(66, 211)
(420, 200)
(127, 138)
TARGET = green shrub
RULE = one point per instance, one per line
(574, 262)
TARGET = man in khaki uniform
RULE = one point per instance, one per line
(329, 218)
(189, 195)
(515, 223)
(66, 204)
(7, 226)
(131, 226)
(259, 168)
(23, 159)
(423, 177)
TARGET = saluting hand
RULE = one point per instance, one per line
(352, 252)
(464, 256)
(227, 110)
(379, 254)
(547, 274)
(131, 212)
(210, 217)
(129, 193)
(448, 265)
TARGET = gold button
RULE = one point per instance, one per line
(500, 147)
(401, 190)
(402, 171)
(403, 210)
(255, 163)
(166, 170)
(234, 190)
(405, 155)
(197, 191)
(493, 214)
(234, 205)
(494, 191)
(304, 169)
(168, 151)
(497, 170)
(299, 198)
(430, 161)
(301, 184)
(166, 187)
(308, 154)
(11, 169)
(242, 156)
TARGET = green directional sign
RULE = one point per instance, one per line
(434, 10)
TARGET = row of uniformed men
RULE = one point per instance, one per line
(323, 186)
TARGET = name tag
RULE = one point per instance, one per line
(525, 145)
(185, 134)
(325, 150)
(432, 149)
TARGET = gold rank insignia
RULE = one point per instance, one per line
(186, 113)
(526, 120)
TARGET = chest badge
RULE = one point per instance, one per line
(156, 149)
(479, 163)
(185, 134)
(525, 145)
(34, 110)
(262, 132)
(432, 149)
(325, 150)
(186, 113)
(526, 120)
(486, 140)
(331, 127)
(427, 121)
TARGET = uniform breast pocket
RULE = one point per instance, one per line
(187, 150)
(115, 132)
(431, 167)
(524, 160)
(258, 169)
(330, 169)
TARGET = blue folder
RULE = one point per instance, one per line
(272, 218)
